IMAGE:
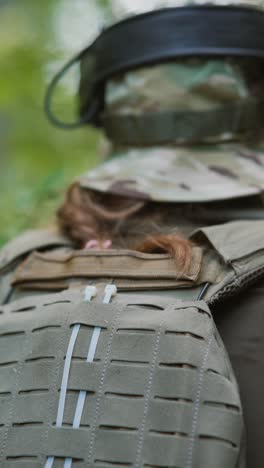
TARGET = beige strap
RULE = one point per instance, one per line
(119, 264)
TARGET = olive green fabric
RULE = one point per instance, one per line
(156, 356)
(241, 323)
(160, 391)
(240, 246)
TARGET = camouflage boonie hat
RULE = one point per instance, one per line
(210, 170)
(202, 174)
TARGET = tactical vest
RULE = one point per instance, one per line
(112, 358)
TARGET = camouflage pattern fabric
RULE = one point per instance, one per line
(193, 84)
(208, 173)
(212, 170)
(124, 8)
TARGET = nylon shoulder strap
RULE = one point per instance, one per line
(17, 249)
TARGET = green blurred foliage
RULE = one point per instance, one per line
(37, 161)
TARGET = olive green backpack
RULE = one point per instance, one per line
(112, 358)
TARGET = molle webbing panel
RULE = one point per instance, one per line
(159, 389)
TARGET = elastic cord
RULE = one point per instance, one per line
(203, 291)
(48, 99)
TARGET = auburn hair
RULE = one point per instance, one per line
(137, 225)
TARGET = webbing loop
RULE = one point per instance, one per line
(48, 99)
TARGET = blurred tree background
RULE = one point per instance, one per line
(37, 161)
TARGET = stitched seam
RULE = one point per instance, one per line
(101, 384)
(147, 397)
(104, 271)
(189, 463)
(84, 254)
(14, 395)
(53, 386)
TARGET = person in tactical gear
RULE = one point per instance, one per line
(133, 336)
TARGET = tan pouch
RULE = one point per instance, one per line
(240, 247)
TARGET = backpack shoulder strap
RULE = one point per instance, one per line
(17, 249)
(29, 241)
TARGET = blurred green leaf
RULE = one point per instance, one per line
(37, 161)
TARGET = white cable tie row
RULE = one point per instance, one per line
(110, 291)
(90, 292)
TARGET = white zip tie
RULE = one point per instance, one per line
(110, 291)
(83, 393)
(66, 372)
(90, 292)
(93, 345)
(49, 462)
(64, 384)
(67, 463)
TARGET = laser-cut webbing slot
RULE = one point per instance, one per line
(184, 336)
